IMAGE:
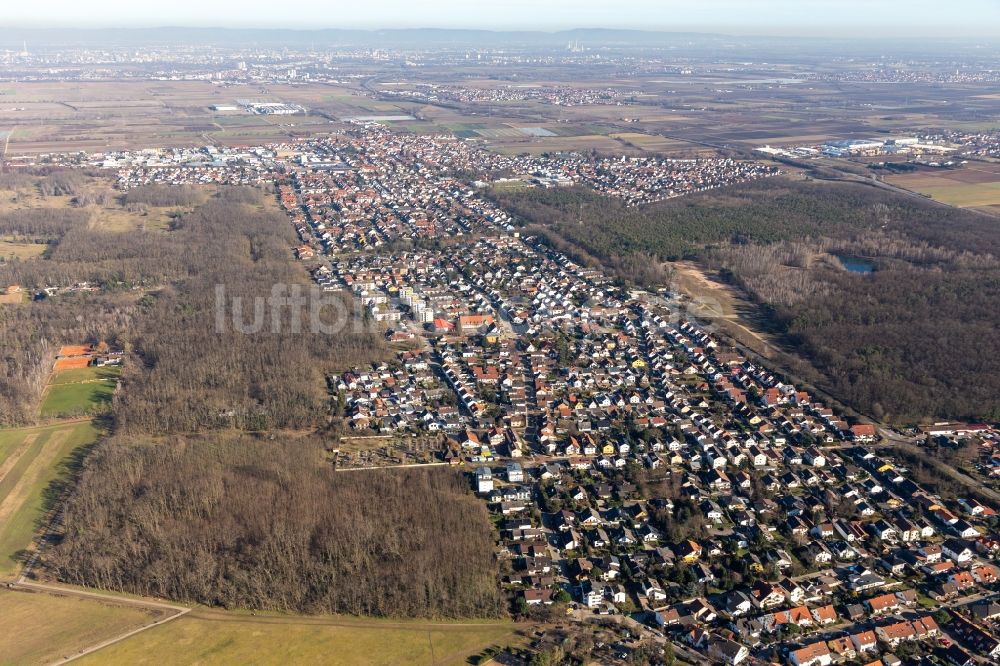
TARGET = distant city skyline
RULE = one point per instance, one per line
(842, 18)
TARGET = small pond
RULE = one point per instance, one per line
(856, 264)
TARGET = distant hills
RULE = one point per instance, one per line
(14, 38)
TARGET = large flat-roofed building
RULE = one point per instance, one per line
(271, 108)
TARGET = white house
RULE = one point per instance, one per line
(484, 480)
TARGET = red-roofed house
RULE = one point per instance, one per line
(814, 654)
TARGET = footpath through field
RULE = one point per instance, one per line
(178, 611)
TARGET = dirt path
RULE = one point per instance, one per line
(6, 144)
(15, 455)
(110, 597)
(211, 615)
(19, 493)
(177, 611)
(55, 423)
(118, 639)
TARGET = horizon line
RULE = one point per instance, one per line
(793, 33)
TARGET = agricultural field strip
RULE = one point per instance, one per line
(14, 494)
(26, 468)
(11, 459)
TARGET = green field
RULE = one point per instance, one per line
(41, 628)
(465, 130)
(80, 391)
(77, 375)
(216, 637)
(965, 195)
(20, 250)
(968, 188)
(417, 127)
(30, 460)
(579, 130)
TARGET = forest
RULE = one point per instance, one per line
(912, 340)
(31, 332)
(186, 374)
(259, 522)
(770, 210)
(905, 343)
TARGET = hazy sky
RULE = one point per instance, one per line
(814, 17)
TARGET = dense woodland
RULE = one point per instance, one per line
(769, 210)
(913, 340)
(245, 521)
(905, 343)
(186, 374)
(31, 333)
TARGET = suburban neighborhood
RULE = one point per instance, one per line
(637, 467)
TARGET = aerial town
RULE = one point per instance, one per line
(362, 174)
(556, 95)
(625, 344)
(635, 465)
(638, 465)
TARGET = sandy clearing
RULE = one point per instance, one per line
(715, 302)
